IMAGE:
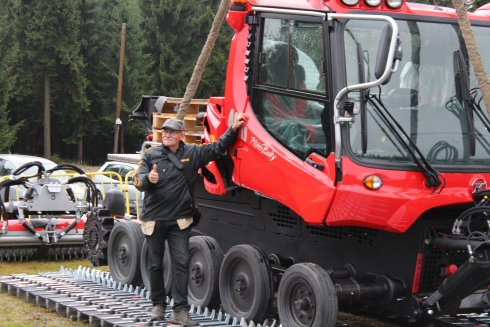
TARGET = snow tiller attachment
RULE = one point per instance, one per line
(43, 213)
(465, 285)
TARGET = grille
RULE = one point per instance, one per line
(435, 260)
(284, 218)
(362, 236)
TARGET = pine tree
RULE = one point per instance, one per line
(203, 58)
(9, 132)
(100, 35)
(136, 80)
(48, 73)
(175, 32)
(7, 51)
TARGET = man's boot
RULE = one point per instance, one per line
(182, 318)
(158, 312)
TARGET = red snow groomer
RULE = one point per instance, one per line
(359, 181)
(360, 178)
(43, 214)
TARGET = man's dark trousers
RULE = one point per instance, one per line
(178, 242)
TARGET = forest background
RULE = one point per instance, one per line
(71, 49)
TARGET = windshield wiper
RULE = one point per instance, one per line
(462, 83)
(432, 177)
(482, 115)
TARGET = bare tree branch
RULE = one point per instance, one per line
(203, 58)
(475, 58)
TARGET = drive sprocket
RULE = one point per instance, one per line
(96, 234)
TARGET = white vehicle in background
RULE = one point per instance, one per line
(119, 175)
(10, 162)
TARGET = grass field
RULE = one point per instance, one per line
(18, 313)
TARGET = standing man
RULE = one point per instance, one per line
(166, 175)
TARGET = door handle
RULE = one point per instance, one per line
(315, 164)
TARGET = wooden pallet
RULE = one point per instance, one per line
(193, 132)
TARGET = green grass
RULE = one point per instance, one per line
(18, 313)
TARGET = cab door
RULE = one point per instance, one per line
(286, 149)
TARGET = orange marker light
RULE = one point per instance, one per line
(372, 182)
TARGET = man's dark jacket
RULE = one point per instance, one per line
(170, 198)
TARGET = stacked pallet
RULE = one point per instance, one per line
(193, 131)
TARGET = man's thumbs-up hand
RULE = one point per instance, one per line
(153, 175)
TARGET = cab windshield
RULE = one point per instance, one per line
(426, 96)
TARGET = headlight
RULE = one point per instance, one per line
(394, 3)
(350, 2)
(373, 3)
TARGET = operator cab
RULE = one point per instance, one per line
(294, 69)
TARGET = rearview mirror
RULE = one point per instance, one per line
(383, 51)
(375, 37)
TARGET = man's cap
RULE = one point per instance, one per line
(174, 124)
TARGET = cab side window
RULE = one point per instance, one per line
(289, 94)
(292, 55)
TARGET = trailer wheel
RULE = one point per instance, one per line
(245, 285)
(167, 268)
(124, 252)
(307, 297)
(204, 267)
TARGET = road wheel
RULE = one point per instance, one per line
(167, 268)
(124, 252)
(204, 267)
(307, 297)
(245, 286)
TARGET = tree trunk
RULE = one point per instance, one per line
(80, 150)
(191, 88)
(475, 57)
(47, 117)
(121, 141)
(118, 122)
